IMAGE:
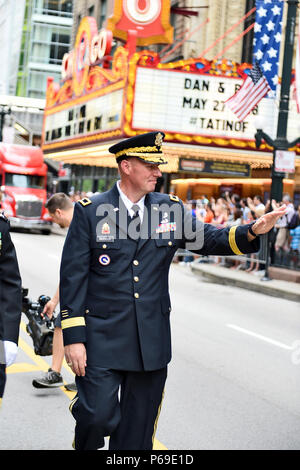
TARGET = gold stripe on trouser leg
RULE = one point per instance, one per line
(156, 421)
(72, 403)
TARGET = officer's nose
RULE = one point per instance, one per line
(157, 172)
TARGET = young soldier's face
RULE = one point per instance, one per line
(62, 217)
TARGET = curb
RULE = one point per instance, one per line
(275, 288)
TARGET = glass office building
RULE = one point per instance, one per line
(46, 38)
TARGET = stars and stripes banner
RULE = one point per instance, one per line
(254, 88)
(297, 71)
(267, 38)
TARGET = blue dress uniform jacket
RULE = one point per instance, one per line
(114, 289)
(10, 295)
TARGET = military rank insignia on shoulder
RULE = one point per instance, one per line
(174, 198)
(85, 201)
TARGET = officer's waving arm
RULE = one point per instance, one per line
(74, 274)
(205, 239)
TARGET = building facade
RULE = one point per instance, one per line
(180, 88)
(11, 25)
(46, 37)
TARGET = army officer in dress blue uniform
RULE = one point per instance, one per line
(114, 293)
(10, 301)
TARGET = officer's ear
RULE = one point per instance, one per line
(125, 166)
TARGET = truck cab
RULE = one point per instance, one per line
(23, 176)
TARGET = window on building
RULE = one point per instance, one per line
(53, 7)
(103, 13)
(49, 43)
(91, 10)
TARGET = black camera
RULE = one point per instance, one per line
(40, 328)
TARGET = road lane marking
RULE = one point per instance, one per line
(261, 337)
(44, 366)
(18, 367)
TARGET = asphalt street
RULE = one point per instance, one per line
(233, 381)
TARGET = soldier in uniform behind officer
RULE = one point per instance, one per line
(114, 293)
(10, 301)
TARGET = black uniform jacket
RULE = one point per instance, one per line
(10, 294)
(114, 291)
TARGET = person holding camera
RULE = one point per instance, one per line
(60, 208)
(10, 301)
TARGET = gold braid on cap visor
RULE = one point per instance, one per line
(148, 154)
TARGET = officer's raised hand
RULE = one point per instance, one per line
(267, 221)
(76, 358)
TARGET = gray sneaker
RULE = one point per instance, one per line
(51, 379)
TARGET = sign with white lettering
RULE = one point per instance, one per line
(93, 117)
(189, 103)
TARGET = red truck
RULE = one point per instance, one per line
(23, 176)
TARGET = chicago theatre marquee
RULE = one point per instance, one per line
(105, 97)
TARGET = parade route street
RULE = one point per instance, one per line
(233, 382)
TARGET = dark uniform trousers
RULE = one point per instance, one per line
(114, 298)
(130, 420)
(10, 296)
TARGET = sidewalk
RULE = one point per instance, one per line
(221, 275)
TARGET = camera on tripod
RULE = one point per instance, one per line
(40, 328)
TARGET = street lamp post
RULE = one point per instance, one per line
(281, 143)
(4, 111)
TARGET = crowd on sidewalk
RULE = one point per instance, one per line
(230, 209)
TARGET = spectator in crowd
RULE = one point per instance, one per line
(282, 237)
(295, 246)
(209, 215)
(256, 205)
(246, 210)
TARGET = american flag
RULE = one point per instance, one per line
(268, 38)
(254, 88)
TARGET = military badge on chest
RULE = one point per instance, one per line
(165, 225)
(105, 235)
(104, 260)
